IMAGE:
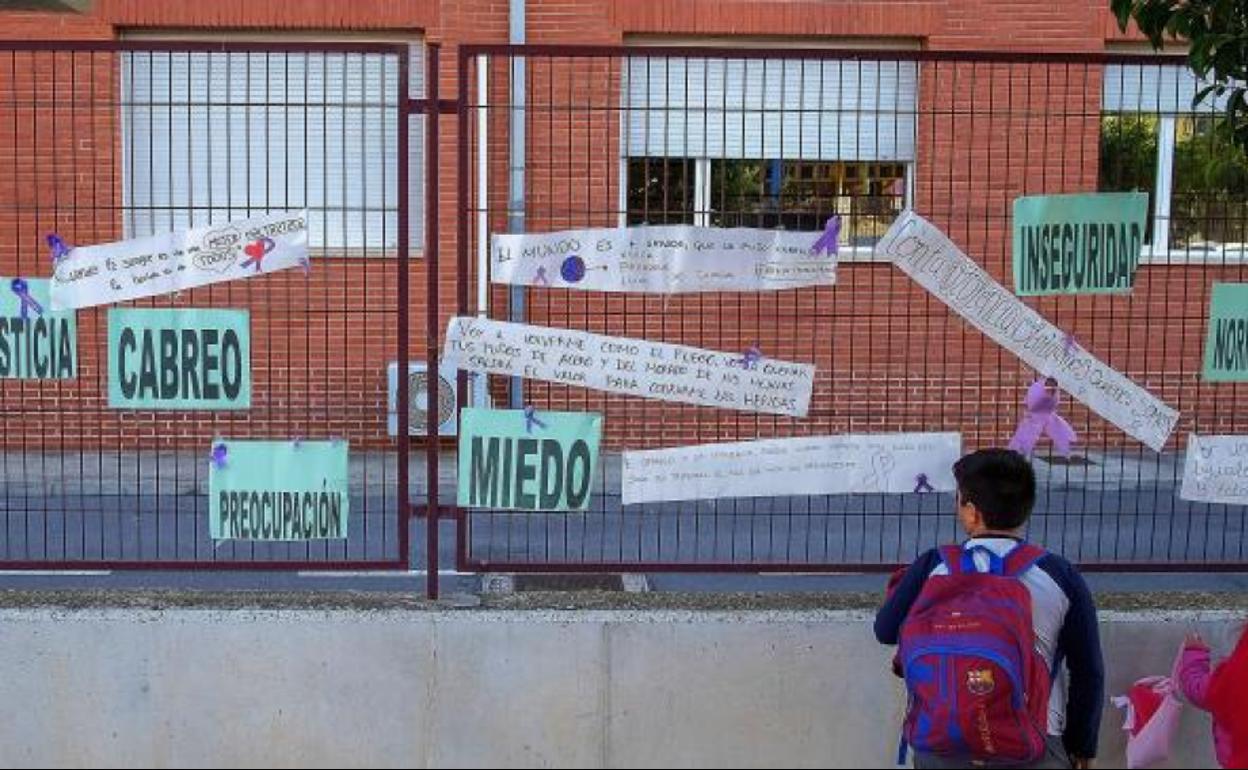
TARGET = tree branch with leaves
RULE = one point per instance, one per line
(1216, 32)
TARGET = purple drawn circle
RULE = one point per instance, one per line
(573, 269)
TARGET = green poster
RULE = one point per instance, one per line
(1078, 244)
(278, 490)
(36, 343)
(1226, 346)
(538, 461)
(179, 359)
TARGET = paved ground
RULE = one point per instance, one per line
(152, 507)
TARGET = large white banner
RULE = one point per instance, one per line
(927, 255)
(812, 465)
(741, 381)
(162, 264)
(666, 259)
(1216, 470)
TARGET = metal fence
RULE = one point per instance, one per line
(121, 139)
(107, 140)
(786, 138)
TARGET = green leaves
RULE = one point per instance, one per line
(1217, 36)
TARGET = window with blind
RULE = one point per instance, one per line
(768, 142)
(208, 137)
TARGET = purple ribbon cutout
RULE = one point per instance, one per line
(22, 290)
(751, 357)
(921, 485)
(218, 456)
(540, 279)
(1041, 419)
(831, 236)
(530, 419)
(1068, 343)
(59, 248)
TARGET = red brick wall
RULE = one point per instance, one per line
(889, 358)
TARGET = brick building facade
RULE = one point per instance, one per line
(983, 130)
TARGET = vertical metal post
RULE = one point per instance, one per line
(462, 272)
(432, 211)
(401, 260)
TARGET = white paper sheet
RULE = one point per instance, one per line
(1216, 470)
(663, 259)
(809, 465)
(162, 264)
(624, 365)
(924, 253)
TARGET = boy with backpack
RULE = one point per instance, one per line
(997, 638)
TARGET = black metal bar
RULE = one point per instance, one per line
(432, 234)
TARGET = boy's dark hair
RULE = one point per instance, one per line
(1001, 484)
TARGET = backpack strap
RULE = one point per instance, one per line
(951, 557)
(959, 560)
(1022, 558)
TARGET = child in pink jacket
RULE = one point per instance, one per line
(1222, 691)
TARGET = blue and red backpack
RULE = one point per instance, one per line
(979, 689)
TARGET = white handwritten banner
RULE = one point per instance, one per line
(1216, 470)
(666, 259)
(636, 367)
(161, 264)
(810, 465)
(924, 253)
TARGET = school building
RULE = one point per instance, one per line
(759, 113)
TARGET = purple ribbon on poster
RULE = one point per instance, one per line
(751, 357)
(540, 279)
(830, 239)
(921, 484)
(531, 419)
(28, 303)
(217, 457)
(59, 248)
(1040, 419)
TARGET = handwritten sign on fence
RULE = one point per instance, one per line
(927, 255)
(636, 367)
(1078, 244)
(809, 465)
(35, 342)
(278, 490)
(1216, 470)
(179, 359)
(169, 262)
(527, 460)
(1226, 344)
(663, 259)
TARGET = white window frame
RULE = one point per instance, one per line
(417, 84)
(1161, 251)
(703, 195)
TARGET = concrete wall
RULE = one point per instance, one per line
(312, 688)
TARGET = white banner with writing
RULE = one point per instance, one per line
(936, 263)
(809, 465)
(161, 264)
(1216, 470)
(741, 381)
(666, 259)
